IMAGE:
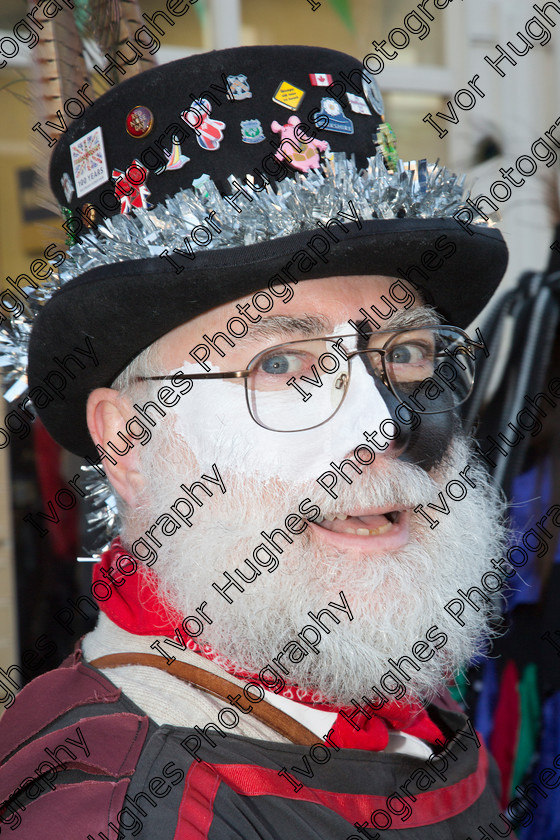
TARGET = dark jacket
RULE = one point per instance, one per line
(81, 761)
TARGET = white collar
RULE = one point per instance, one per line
(108, 637)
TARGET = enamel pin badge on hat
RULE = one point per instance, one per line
(303, 153)
(373, 96)
(336, 119)
(238, 87)
(209, 132)
(131, 189)
(320, 79)
(175, 158)
(88, 162)
(139, 122)
(67, 186)
(358, 104)
(288, 95)
(252, 131)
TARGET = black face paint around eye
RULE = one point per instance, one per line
(422, 439)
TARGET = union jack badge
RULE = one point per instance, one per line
(131, 189)
(88, 162)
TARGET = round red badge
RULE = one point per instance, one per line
(139, 121)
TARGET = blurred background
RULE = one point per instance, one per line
(513, 113)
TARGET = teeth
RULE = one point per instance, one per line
(369, 532)
(374, 532)
(361, 532)
(382, 529)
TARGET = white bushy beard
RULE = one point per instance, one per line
(395, 597)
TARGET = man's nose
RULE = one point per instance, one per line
(395, 434)
(423, 443)
(388, 436)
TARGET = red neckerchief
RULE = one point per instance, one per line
(134, 606)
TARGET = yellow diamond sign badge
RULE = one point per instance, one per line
(288, 96)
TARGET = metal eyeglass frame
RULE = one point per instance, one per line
(382, 375)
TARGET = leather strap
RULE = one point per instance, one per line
(218, 687)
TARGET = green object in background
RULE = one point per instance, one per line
(82, 14)
(342, 9)
(529, 724)
(459, 688)
(200, 9)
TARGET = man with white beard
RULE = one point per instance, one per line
(276, 632)
(401, 565)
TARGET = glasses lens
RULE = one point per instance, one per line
(297, 385)
(430, 369)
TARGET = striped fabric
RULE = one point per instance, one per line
(80, 760)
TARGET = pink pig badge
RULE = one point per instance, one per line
(303, 154)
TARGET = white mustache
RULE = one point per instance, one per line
(376, 495)
(397, 486)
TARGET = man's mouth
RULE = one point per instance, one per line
(365, 525)
(378, 529)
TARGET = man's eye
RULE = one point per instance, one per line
(407, 354)
(282, 363)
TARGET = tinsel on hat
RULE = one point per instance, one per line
(423, 191)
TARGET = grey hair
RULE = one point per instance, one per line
(425, 315)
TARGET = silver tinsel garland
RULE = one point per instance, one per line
(102, 518)
(419, 190)
(14, 340)
(296, 204)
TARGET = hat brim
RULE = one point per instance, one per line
(124, 307)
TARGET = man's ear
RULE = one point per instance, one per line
(107, 413)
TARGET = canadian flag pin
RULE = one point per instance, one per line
(320, 79)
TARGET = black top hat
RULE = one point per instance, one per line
(156, 154)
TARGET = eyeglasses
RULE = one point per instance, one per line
(300, 385)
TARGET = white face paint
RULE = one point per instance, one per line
(215, 422)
